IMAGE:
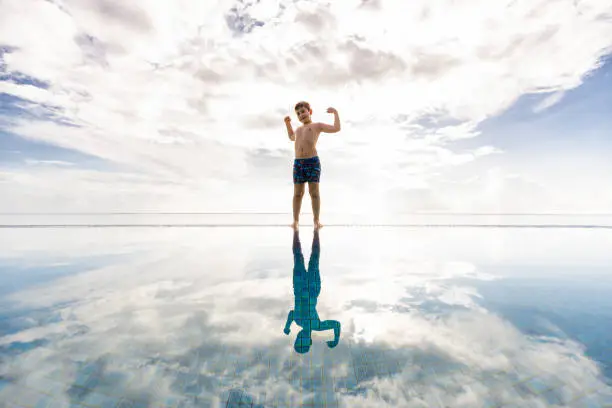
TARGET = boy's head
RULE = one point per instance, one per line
(303, 341)
(303, 111)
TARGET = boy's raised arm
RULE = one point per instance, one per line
(289, 128)
(328, 128)
(328, 325)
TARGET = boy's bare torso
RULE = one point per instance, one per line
(306, 138)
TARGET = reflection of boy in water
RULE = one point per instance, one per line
(306, 288)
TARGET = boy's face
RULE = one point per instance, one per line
(303, 114)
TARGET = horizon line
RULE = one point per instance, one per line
(508, 226)
(304, 213)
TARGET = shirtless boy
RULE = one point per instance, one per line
(307, 166)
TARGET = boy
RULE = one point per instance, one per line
(307, 166)
(306, 289)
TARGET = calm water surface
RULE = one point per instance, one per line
(426, 317)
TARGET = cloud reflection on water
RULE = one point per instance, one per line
(196, 318)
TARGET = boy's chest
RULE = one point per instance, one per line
(305, 311)
(307, 135)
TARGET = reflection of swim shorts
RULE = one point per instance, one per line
(306, 170)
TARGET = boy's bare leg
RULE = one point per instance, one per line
(298, 194)
(315, 198)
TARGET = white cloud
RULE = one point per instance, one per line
(172, 90)
(549, 101)
(28, 92)
(33, 162)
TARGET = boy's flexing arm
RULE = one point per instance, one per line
(289, 128)
(328, 128)
(287, 329)
(331, 324)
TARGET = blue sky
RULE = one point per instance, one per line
(581, 120)
(16, 151)
(438, 105)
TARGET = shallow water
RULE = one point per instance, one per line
(430, 317)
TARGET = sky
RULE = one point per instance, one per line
(472, 106)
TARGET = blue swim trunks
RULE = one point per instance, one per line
(306, 170)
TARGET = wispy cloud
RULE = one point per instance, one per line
(551, 100)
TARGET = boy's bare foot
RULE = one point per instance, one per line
(294, 225)
(317, 225)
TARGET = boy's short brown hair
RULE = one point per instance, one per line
(302, 104)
